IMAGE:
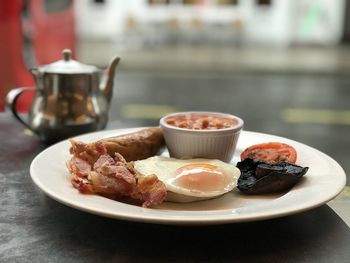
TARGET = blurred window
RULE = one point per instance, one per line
(157, 2)
(54, 6)
(264, 2)
(99, 1)
(227, 2)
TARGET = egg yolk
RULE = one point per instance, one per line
(201, 177)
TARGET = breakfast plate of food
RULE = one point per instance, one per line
(196, 168)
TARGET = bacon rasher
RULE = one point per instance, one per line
(95, 171)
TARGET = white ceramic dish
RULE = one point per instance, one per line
(212, 144)
(324, 180)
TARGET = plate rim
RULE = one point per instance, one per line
(148, 217)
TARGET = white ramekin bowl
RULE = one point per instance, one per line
(185, 143)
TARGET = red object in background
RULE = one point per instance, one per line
(13, 72)
(52, 30)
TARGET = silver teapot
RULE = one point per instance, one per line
(70, 98)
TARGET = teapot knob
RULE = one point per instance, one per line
(67, 54)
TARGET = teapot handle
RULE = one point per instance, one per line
(11, 103)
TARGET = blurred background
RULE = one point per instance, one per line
(190, 37)
(283, 66)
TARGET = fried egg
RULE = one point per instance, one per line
(191, 179)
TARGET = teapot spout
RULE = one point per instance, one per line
(107, 81)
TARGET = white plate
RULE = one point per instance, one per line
(324, 180)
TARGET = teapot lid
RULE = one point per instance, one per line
(67, 65)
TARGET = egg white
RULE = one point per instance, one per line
(164, 168)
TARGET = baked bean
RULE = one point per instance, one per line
(201, 122)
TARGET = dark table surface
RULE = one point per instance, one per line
(35, 228)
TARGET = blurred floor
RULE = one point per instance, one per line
(298, 59)
(301, 93)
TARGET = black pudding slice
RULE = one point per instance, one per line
(259, 177)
